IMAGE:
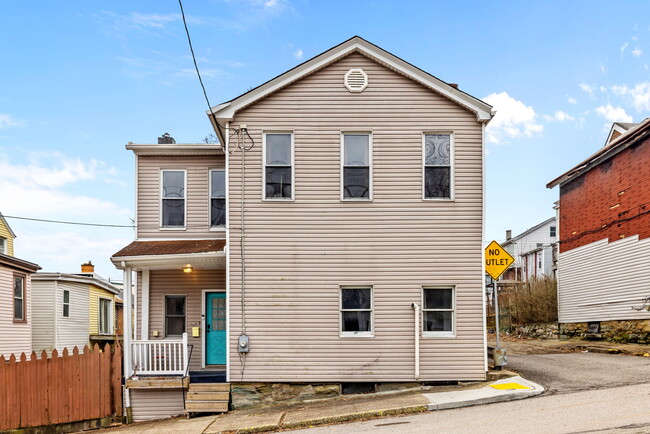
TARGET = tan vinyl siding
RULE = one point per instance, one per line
(299, 253)
(197, 196)
(15, 338)
(43, 322)
(176, 282)
(602, 281)
(156, 404)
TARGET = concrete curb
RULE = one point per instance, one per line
(484, 395)
(349, 417)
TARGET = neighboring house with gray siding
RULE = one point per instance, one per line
(359, 208)
(534, 252)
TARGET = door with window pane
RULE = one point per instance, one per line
(215, 328)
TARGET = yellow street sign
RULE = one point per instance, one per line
(497, 260)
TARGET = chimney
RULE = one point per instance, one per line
(508, 234)
(166, 139)
(88, 267)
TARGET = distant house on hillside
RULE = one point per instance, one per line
(533, 251)
(15, 297)
(73, 310)
(604, 259)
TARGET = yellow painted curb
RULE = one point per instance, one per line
(510, 386)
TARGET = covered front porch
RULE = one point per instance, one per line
(175, 322)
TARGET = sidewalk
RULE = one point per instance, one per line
(343, 409)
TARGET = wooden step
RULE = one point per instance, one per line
(209, 387)
(208, 396)
(207, 406)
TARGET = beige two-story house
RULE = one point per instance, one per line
(335, 238)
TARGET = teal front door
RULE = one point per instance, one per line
(215, 328)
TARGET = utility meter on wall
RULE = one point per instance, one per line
(243, 344)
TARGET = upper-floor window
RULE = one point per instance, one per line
(553, 231)
(3, 245)
(278, 166)
(357, 177)
(437, 166)
(217, 197)
(20, 303)
(172, 195)
(66, 303)
(105, 316)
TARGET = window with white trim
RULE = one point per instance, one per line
(356, 166)
(438, 311)
(356, 311)
(20, 304)
(174, 315)
(217, 197)
(3, 245)
(66, 303)
(278, 166)
(172, 195)
(105, 316)
(437, 166)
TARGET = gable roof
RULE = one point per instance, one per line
(618, 129)
(528, 231)
(633, 135)
(2, 219)
(86, 279)
(226, 111)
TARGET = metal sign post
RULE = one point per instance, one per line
(497, 261)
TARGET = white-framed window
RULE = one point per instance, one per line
(356, 311)
(438, 311)
(66, 303)
(175, 308)
(437, 166)
(356, 166)
(105, 316)
(217, 197)
(173, 185)
(3, 245)
(20, 302)
(278, 166)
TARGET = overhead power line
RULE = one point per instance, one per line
(67, 222)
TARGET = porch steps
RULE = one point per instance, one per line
(208, 398)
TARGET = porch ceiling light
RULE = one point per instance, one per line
(188, 268)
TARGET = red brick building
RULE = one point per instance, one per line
(604, 228)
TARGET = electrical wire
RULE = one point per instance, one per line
(67, 222)
(196, 67)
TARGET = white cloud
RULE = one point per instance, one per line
(513, 120)
(623, 47)
(589, 90)
(559, 116)
(639, 94)
(613, 114)
(298, 54)
(572, 100)
(637, 52)
(8, 121)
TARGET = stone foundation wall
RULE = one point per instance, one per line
(632, 331)
(247, 395)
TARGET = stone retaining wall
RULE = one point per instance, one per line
(633, 331)
(537, 331)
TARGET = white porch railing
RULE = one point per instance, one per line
(160, 357)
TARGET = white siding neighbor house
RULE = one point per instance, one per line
(334, 238)
(534, 252)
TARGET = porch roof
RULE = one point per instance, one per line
(200, 254)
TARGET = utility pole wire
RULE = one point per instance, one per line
(67, 222)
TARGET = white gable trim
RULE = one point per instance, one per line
(226, 111)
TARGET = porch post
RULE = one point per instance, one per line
(144, 307)
(128, 322)
(185, 354)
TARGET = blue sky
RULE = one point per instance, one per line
(80, 79)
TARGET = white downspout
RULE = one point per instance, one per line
(128, 330)
(416, 311)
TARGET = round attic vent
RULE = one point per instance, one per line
(356, 80)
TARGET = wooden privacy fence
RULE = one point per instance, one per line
(60, 389)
